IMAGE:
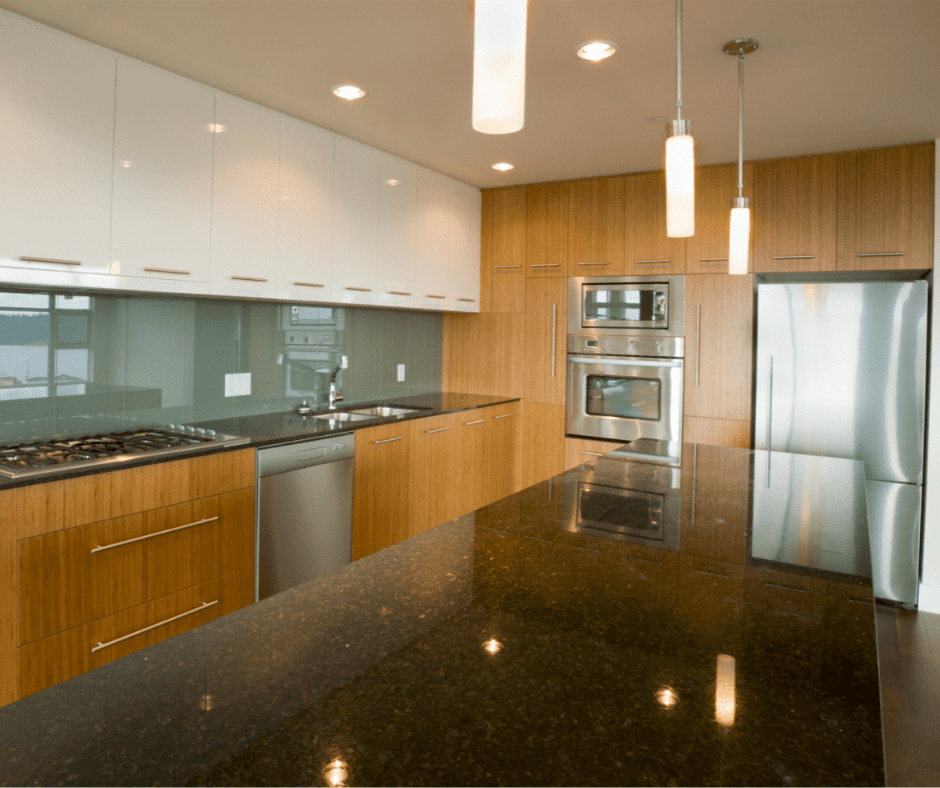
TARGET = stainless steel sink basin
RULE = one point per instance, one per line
(383, 411)
(341, 415)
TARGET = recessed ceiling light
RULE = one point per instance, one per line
(125, 164)
(348, 92)
(503, 166)
(215, 128)
(596, 50)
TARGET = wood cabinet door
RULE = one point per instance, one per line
(543, 442)
(886, 208)
(719, 314)
(381, 478)
(647, 248)
(596, 226)
(503, 249)
(715, 188)
(717, 432)
(545, 340)
(794, 216)
(436, 470)
(502, 438)
(547, 229)
(471, 460)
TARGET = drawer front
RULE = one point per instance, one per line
(54, 659)
(72, 577)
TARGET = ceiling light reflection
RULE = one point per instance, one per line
(492, 646)
(215, 128)
(336, 772)
(724, 690)
(667, 697)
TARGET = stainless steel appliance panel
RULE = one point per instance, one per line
(894, 514)
(636, 305)
(841, 371)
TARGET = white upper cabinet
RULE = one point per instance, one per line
(397, 232)
(162, 210)
(305, 213)
(57, 105)
(355, 222)
(245, 199)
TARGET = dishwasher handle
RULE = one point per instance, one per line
(304, 454)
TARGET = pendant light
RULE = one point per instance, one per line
(740, 211)
(499, 66)
(680, 158)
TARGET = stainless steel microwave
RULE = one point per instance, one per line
(635, 305)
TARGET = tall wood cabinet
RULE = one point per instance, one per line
(545, 340)
(596, 232)
(647, 248)
(503, 250)
(547, 230)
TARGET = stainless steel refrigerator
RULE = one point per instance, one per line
(841, 372)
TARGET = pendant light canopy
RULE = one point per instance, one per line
(499, 66)
(680, 158)
(740, 233)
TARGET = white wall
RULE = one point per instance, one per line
(930, 582)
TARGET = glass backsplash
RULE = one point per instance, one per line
(74, 365)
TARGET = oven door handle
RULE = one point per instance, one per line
(606, 361)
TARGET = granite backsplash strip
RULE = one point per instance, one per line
(74, 365)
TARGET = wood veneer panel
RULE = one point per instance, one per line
(596, 227)
(715, 187)
(543, 442)
(484, 354)
(434, 472)
(502, 446)
(66, 503)
(8, 630)
(506, 218)
(646, 239)
(717, 432)
(580, 450)
(547, 230)
(545, 322)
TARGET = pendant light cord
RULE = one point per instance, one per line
(679, 58)
(741, 121)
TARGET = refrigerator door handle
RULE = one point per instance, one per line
(770, 401)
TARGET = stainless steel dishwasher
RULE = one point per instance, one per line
(305, 494)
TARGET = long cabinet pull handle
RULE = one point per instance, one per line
(698, 340)
(309, 284)
(439, 429)
(713, 259)
(250, 278)
(554, 325)
(507, 266)
(49, 260)
(650, 262)
(470, 423)
(468, 300)
(100, 548)
(504, 416)
(167, 271)
(770, 409)
(389, 440)
(544, 265)
(435, 296)
(593, 453)
(203, 606)
(360, 289)
(786, 588)
(398, 292)
(706, 572)
(594, 263)
(867, 602)
(793, 257)
(881, 254)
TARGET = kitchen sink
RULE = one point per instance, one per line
(342, 416)
(382, 411)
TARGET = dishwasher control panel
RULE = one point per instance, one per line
(305, 453)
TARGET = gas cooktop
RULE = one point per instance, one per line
(47, 457)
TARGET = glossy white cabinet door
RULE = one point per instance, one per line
(465, 246)
(436, 279)
(305, 213)
(162, 212)
(56, 140)
(245, 199)
(355, 222)
(398, 184)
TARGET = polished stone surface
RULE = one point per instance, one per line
(616, 594)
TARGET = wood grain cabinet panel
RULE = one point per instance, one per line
(580, 450)
(886, 208)
(794, 227)
(715, 188)
(434, 472)
(471, 460)
(647, 248)
(503, 424)
(719, 316)
(717, 432)
(545, 340)
(543, 442)
(547, 229)
(8, 615)
(503, 249)
(596, 227)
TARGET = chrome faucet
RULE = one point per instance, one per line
(334, 397)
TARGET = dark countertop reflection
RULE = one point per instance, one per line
(611, 626)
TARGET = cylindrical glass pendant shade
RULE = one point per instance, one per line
(499, 66)
(740, 237)
(680, 185)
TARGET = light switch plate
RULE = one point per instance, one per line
(238, 385)
(401, 373)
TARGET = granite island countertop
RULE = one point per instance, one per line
(721, 634)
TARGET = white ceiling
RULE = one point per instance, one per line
(829, 74)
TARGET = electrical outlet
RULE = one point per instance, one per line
(238, 385)
(401, 373)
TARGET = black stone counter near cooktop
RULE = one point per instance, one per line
(545, 640)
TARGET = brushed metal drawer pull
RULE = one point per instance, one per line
(439, 429)
(471, 423)
(881, 254)
(713, 259)
(554, 343)
(49, 260)
(793, 257)
(786, 588)
(706, 572)
(544, 265)
(507, 266)
(360, 289)
(504, 416)
(308, 284)
(389, 440)
(249, 278)
(435, 296)
(203, 606)
(647, 560)
(468, 300)
(99, 548)
(866, 602)
(698, 340)
(167, 271)
(650, 262)
(398, 292)
(594, 263)
(593, 453)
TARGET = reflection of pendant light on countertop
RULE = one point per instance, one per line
(499, 66)
(680, 158)
(740, 232)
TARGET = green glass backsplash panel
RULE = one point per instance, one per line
(72, 366)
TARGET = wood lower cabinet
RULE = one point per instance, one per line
(110, 563)
(543, 442)
(580, 450)
(434, 472)
(717, 432)
(503, 426)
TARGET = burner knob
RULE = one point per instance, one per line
(190, 430)
(210, 433)
(200, 431)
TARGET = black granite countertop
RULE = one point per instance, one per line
(546, 640)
